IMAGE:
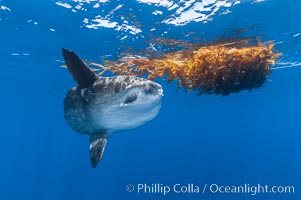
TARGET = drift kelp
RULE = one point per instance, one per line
(222, 68)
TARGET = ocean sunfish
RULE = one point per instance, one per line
(99, 106)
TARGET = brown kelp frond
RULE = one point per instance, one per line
(222, 68)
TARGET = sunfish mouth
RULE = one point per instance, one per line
(99, 106)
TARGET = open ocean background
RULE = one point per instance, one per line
(244, 138)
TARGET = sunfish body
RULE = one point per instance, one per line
(99, 106)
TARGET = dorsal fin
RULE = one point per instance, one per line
(78, 69)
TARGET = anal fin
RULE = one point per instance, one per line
(97, 147)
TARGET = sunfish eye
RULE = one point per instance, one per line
(131, 98)
(151, 89)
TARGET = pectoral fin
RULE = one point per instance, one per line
(97, 147)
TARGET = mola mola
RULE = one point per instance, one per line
(99, 106)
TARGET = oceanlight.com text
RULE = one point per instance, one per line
(193, 188)
(250, 189)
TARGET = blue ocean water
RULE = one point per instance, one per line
(245, 138)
